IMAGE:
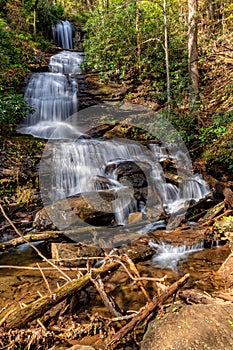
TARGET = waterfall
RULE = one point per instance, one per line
(66, 62)
(87, 165)
(63, 34)
(53, 96)
(74, 163)
(168, 256)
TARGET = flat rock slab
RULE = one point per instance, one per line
(74, 254)
(194, 327)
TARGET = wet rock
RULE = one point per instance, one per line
(135, 217)
(93, 208)
(194, 327)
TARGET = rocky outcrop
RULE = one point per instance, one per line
(194, 327)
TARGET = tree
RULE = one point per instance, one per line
(166, 51)
(193, 48)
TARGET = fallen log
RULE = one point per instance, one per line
(146, 311)
(31, 237)
(19, 317)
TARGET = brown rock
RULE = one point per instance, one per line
(194, 327)
(135, 217)
(70, 254)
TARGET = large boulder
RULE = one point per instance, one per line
(194, 327)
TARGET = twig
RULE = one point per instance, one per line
(41, 268)
(45, 279)
(209, 222)
(122, 318)
(41, 324)
(137, 275)
(32, 246)
(107, 300)
(136, 279)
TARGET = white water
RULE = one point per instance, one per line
(53, 98)
(72, 165)
(66, 62)
(62, 35)
(168, 256)
(91, 165)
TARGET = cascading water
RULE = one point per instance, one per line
(88, 165)
(78, 165)
(168, 256)
(53, 98)
(62, 34)
(66, 62)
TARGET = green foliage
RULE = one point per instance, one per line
(47, 15)
(218, 142)
(126, 42)
(217, 130)
(13, 108)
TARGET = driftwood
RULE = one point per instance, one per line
(18, 318)
(222, 188)
(146, 311)
(30, 237)
(191, 296)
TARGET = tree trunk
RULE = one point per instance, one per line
(138, 39)
(166, 51)
(35, 15)
(193, 48)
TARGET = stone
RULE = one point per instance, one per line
(135, 217)
(94, 208)
(70, 254)
(194, 327)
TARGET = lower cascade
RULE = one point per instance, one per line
(168, 256)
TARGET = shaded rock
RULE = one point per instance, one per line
(94, 208)
(100, 130)
(131, 132)
(194, 327)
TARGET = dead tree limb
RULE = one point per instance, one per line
(146, 311)
(134, 270)
(30, 237)
(191, 296)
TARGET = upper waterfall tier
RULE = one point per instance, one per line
(63, 34)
